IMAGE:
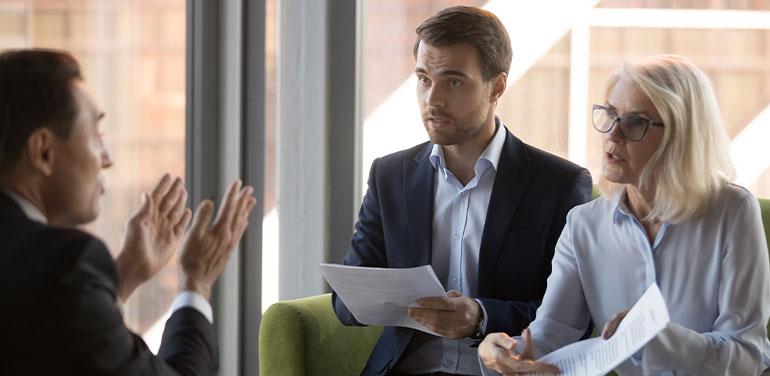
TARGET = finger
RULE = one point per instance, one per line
(179, 208)
(241, 215)
(183, 222)
(532, 366)
(454, 294)
(502, 340)
(244, 222)
(202, 217)
(226, 210)
(146, 207)
(529, 345)
(168, 201)
(612, 325)
(436, 303)
(161, 187)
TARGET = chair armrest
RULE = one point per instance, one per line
(304, 337)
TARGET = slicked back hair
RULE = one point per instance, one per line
(474, 26)
(35, 91)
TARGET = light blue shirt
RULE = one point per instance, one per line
(712, 270)
(459, 214)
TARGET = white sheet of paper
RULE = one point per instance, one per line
(596, 356)
(380, 296)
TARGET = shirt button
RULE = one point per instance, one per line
(462, 193)
(454, 280)
(457, 236)
(450, 362)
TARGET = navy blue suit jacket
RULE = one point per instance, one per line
(531, 195)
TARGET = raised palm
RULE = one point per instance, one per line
(153, 233)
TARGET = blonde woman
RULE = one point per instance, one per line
(668, 215)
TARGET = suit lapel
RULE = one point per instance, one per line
(418, 193)
(514, 173)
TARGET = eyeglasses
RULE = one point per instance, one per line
(632, 127)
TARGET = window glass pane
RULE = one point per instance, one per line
(270, 215)
(562, 60)
(133, 59)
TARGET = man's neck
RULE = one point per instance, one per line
(26, 191)
(461, 159)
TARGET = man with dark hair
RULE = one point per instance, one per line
(62, 292)
(480, 206)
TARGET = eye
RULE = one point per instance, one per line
(635, 121)
(424, 80)
(454, 83)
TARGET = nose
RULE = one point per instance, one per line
(434, 97)
(614, 133)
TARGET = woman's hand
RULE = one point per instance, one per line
(612, 325)
(496, 351)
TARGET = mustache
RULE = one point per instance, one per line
(435, 114)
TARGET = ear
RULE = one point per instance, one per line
(498, 83)
(40, 150)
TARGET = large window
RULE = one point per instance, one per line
(563, 51)
(133, 59)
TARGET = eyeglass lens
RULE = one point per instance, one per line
(631, 127)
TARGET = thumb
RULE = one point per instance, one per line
(454, 294)
(529, 345)
(146, 207)
(202, 217)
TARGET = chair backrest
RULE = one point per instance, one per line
(304, 337)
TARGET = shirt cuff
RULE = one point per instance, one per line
(486, 317)
(195, 301)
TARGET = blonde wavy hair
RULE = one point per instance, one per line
(692, 163)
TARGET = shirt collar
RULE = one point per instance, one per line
(491, 154)
(620, 206)
(30, 210)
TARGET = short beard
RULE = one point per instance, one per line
(458, 136)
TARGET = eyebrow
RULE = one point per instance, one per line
(444, 73)
(635, 113)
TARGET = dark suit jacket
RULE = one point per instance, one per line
(58, 289)
(531, 195)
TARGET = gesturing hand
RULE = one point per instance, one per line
(454, 316)
(205, 250)
(152, 234)
(496, 351)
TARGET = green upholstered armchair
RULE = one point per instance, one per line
(304, 337)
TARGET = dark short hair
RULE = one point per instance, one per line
(477, 27)
(35, 91)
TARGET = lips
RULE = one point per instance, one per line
(612, 157)
(435, 120)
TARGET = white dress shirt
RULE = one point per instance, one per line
(712, 270)
(184, 299)
(459, 214)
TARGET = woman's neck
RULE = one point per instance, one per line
(640, 204)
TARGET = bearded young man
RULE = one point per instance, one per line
(480, 206)
(62, 292)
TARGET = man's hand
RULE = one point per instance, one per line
(205, 250)
(152, 234)
(496, 351)
(453, 317)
